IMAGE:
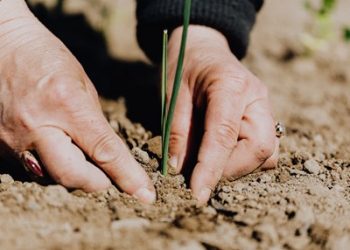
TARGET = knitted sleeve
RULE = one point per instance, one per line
(233, 18)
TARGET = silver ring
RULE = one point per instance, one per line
(280, 130)
(31, 164)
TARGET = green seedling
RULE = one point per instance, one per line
(164, 81)
(322, 27)
(326, 8)
(169, 115)
(347, 34)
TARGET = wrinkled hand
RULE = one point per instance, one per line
(237, 127)
(48, 104)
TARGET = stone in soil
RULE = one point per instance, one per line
(312, 166)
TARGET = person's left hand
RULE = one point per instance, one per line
(237, 131)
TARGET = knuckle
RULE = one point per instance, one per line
(202, 58)
(226, 135)
(105, 150)
(63, 90)
(240, 80)
(63, 95)
(229, 84)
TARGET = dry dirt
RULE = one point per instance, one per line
(303, 204)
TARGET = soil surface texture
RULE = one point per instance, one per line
(303, 204)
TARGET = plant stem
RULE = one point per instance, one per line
(164, 81)
(176, 86)
(347, 34)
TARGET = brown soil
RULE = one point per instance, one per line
(303, 204)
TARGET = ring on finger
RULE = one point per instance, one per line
(280, 130)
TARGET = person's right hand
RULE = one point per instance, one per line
(49, 105)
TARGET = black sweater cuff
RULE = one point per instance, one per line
(233, 18)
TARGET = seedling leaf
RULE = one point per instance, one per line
(164, 80)
(347, 34)
(176, 87)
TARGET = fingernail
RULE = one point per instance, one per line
(204, 195)
(32, 165)
(34, 168)
(145, 195)
(173, 162)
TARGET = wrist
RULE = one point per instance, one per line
(16, 24)
(200, 37)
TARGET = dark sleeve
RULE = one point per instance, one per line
(233, 18)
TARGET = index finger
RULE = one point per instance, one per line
(222, 124)
(93, 135)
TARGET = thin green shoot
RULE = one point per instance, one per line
(176, 87)
(164, 80)
(326, 8)
(322, 30)
(347, 34)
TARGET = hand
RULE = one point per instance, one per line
(49, 105)
(238, 134)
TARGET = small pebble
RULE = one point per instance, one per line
(322, 177)
(318, 139)
(154, 146)
(115, 125)
(5, 178)
(320, 156)
(140, 155)
(265, 178)
(335, 175)
(131, 143)
(339, 242)
(56, 195)
(268, 232)
(130, 224)
(240, 197)
(239, 187)
(300, 157)
(293, 171)
(226, 189)
(32, 205)
(154, 164)
(19, 198)
(305, 215)
(209, 210)
(139, 129)
(338, 188)
(312, 167)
